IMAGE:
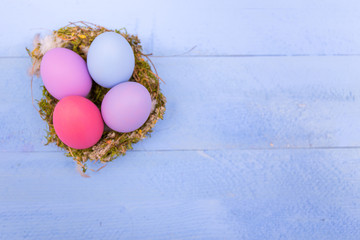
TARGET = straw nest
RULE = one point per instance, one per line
(78, 37)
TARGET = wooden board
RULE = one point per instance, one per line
(260, 140)
(221, 103)
(232, 194)
(227, 27)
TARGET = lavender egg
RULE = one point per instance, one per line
(64, 73)
(126, 107)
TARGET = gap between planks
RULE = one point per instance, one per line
(228, 56)
(216, 149)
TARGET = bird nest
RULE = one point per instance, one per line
(78, 37)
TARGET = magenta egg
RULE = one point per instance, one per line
(65, 73)
(126, 107)
(77, 122)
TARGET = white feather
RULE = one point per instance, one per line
(49, 42)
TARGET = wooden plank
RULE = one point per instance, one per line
(233, 194)
(43, 17)
(217, 28)
(220, 103)
(229, 29)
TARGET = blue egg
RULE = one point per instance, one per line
(110, 59)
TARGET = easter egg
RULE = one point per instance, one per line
(65, 73)
(126, 107)
(77, 122)
(110, 59)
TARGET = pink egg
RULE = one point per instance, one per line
(65, 73)
(77, 122)
(126, 106)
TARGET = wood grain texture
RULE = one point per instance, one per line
(260, 139)
(233, 194)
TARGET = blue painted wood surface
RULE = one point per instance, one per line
(261, 137)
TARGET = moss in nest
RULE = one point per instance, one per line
(78, 37)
